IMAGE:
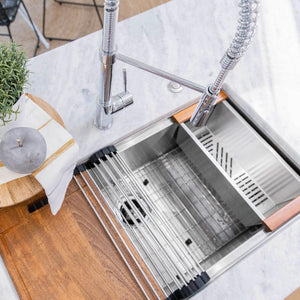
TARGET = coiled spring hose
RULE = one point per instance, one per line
(242, 39)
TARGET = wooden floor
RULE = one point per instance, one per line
(67, 21)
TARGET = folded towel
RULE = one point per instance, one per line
(56, 172)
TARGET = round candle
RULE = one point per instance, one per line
(23, 150)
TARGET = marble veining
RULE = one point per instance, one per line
(189, 37)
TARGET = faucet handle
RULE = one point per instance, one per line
(122, 99)
(125, 79)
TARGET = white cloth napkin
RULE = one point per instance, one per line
(56, 172)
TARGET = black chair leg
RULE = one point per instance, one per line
(98, 13)
(78, 3)
(71, 3)
(44, 27)
(85, 4)
(9, 33)
(38, 38)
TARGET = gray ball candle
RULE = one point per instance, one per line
(23, 150)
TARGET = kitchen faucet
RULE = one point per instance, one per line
(107, 104)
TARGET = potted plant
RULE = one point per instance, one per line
(13, 77)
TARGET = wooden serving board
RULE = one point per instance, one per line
(26, 188)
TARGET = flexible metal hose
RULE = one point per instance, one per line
(245, 29)
(242, 39)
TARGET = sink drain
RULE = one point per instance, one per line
(129, 212)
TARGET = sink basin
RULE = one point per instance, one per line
(192, 200)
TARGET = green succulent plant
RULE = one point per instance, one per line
(13, 77)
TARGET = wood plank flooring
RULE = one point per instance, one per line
(68, 21)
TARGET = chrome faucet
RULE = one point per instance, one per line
(107, 105)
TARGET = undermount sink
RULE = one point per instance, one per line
(192, 200)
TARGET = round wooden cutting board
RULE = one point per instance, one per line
(27, 187)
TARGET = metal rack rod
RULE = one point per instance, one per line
(200, 229)
(205, 229)
(149, 242)
(120, 236)
(192, 219)
(165, 222)
(146, 226)
(138, 186)
(139, 241)
(114, 242)
(179, 256)
(214, 235)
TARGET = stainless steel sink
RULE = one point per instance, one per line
(192, 200)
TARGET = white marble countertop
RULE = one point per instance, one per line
(188, 37)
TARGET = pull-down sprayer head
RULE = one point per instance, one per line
(240, 43)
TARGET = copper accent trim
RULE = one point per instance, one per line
(186, 114)
(282, 215)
